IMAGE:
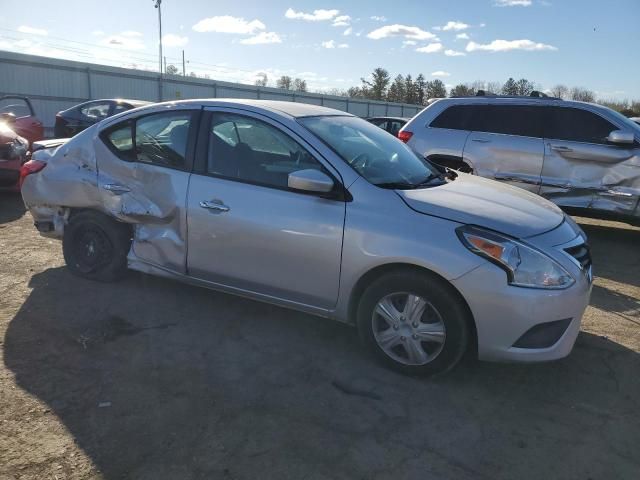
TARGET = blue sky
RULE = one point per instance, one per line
(588, 43)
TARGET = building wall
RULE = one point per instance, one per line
(54, 85)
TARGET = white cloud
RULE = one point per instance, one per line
(262, 38)
(462, 36)
(173, 40)
(512, 3)
(317, 15)
(411, 32)
(431, 48)
(454, 53)
(440, 73)
(332, 44)
(508, 45)
(229, 24)
(456, 26)
(342, 21)
(348, 31)
(123, 42)
(407, 43)
(378, 18)
(32, 30)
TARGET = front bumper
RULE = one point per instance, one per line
(547, 322)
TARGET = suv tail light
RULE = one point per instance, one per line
(404, 135)
(32, 166)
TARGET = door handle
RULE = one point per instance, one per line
(561, 148)
(480, 140)
(116, 188)
(213, 205)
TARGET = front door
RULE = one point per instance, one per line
(506, 144)
(581, 169)
(247, 229)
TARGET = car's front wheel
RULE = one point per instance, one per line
(414, 322)
(95, 246)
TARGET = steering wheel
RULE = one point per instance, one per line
(360, 162)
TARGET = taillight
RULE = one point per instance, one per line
(32, 166)
(404, 135)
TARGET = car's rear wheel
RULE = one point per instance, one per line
(95, 246)
(414, 322)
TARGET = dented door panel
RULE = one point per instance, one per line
(596, 176)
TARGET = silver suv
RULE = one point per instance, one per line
(581, 156)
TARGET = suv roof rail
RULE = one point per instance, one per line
(534, 94)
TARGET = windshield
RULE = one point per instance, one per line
(378, 156)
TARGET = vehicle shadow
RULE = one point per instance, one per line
(615, 252)
(11, 207)
(156, 379)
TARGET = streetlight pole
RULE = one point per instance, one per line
(157, 5)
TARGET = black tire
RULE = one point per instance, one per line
(451, 311)
(95, 246)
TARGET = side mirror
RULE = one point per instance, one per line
(310, 181)
(8, 117)
(621, 137)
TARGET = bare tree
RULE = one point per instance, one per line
(582, 94)
(560, 91)
(524, 87)
(262, 79)
(299, 85)
(284, 82)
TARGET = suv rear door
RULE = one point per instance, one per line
(506, 144)
(579, 165)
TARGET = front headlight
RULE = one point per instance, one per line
(525, 266)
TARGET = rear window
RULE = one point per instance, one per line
(456, 117)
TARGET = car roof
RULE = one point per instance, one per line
(515, 100)
(292, 109)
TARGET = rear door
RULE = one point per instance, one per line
(144, 166)
(581, 169)
(506, 144)
(247, 229)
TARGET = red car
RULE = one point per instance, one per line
(19, 129)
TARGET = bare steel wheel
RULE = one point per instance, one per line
(408, 328)
(414, 321)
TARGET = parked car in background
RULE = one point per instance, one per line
(390, 124)
(318, 210)
(75, 119)
(635, 119)
(14, 150)
(19, 112)
(582, 156)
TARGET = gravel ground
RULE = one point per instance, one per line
(152, 379)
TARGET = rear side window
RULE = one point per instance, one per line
(577, 125)
(159, 139)
(521, 120)
(96, 111)
(457, 117)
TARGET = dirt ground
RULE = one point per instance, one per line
(152, 379)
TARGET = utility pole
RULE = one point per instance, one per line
(165, 65)
(184, 70)
(157, 4)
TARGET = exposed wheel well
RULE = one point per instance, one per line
(381, 270)
(451, 161)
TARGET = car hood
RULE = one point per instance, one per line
(477, 201)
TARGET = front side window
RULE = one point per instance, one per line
(377, 156)
(577, 125)
(521, 120)
(249, 150)
(159, 139)
(96, 111)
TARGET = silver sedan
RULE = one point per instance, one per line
(320, 211)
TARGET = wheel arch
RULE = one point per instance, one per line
(376, 272)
